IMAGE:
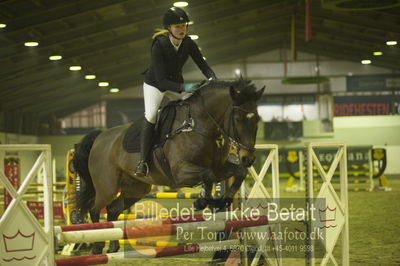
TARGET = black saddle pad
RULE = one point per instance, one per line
(131, 142)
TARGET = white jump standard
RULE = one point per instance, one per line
(18, 224)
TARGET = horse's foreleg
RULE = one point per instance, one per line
(208, 177)
(239, 174)
(97, 247)
(113, 211)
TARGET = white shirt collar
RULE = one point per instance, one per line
(175, 46)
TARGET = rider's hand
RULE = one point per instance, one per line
(190, 87)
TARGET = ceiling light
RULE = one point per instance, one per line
(377, 53)
(2, 25)
(237, 71)
(90, 76)
(114, 90)
(194, 37)
(103, 84)
(181, 4)
(366, 62)
(191, 22)
(55, 57)
(31, 44)
(391, 43)
(75, 68)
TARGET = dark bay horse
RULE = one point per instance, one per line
(220, 145)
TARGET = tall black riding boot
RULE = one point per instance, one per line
(146, 141)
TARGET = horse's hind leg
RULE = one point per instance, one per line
(97, 247)
(136, 190)
(113, 211)
(106, 185)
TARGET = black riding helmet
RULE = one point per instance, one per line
(175, 15)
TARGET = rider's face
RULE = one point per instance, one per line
(178, 30)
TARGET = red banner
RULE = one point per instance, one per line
(37, 208)
(355, 109)
(308, 21)
(12, 172)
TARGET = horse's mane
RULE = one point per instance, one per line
(245, 90)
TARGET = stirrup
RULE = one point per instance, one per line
(142, 169)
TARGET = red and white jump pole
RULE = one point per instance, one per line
(148, 253)
(158, 230)
(147, 222)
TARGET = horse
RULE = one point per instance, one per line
(216, 142)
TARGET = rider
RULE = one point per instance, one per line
(169, 51)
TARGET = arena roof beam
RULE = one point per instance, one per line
(330, 49)
(40, 76)
(142, 32)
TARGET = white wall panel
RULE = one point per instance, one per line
(275, 86)
(337, 84)
(345, 68)
(265, 70)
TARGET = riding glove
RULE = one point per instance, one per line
(190, 87)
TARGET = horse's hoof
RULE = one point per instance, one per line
(96, 250)
(113, 247)
(220, 205)
(200, 204)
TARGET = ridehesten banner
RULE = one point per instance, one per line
(366, 105)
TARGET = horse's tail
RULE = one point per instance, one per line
(86, 194)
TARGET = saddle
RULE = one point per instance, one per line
(163, 131)
(163, 128)
(131, 141)
(166, 118)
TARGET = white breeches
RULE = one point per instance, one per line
(153, 97)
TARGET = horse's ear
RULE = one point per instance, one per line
(234, 92)
(259, 93)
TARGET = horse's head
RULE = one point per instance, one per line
(244, 120)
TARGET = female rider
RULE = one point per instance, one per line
(169, 52)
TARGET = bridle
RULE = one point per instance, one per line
(236, 139)
(234, 142)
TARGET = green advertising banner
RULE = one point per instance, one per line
(383, 82)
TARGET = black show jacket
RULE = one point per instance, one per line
(165, 71)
